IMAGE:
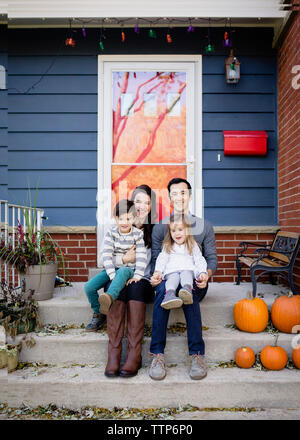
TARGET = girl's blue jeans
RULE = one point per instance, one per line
(123, 274)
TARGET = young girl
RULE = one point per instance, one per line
(179, 263)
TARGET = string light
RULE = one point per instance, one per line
(152, 33)
(227, 40)
(209, 49)
(168, 36)
(102, 37)
(136, 27)
(191, 28)
(70, 41)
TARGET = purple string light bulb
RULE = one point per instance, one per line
(191, 28)
(136, 29)
(84, 32)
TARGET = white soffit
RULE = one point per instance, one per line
(3, 8)
(21, 9)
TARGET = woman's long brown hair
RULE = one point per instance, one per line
(152, 216)
(189, 239)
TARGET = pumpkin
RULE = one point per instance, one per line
(274, 357)
(244, 357)
(296, 357)
(285, 312)
(251, 314)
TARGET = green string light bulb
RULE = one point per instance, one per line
(152, 33)
(209, 49)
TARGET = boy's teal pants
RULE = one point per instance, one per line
(123, 274)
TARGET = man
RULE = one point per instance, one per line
(180, 194)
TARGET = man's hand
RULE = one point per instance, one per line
(129, 256)
(201, 281)
(156, 278)
(132, 280)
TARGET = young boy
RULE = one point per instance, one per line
(117, 241)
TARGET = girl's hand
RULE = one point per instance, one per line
(130, 256)
(132, 280)
(201, 281)
(156, 278)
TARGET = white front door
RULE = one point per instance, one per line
(149, 129)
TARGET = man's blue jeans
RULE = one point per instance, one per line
(193, 320)
(123, 274)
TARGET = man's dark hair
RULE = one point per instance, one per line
(177, 180)
(123, 207)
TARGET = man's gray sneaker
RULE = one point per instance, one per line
(158, 369)
(186, 294)
(198, 368)
(171, 301)
(97, 322)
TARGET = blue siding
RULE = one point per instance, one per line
(3, 136)
(239, 190)
(53, 134)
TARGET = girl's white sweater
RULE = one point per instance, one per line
(179, 259)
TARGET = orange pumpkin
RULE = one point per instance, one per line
(244, 357)
(285, 312)
(274, 357)
(251, 314)
(296, 357)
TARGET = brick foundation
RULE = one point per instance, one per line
(81, 254)
(289, 135)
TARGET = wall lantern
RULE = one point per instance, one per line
(232, 69)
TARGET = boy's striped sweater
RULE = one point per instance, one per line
(117, 244)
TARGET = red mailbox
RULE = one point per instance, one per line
(244, 143)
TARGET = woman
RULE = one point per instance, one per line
(133, 298)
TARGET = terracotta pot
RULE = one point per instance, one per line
(12, 359)
(41, 279)
(3, 356)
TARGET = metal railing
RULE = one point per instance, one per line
(10, 216)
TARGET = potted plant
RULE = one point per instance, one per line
(35, 256)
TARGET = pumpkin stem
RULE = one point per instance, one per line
(290, 294)
(249, 294)
(276, 340)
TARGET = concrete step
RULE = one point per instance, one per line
(77, 387)
(70, 305)
(78, 346)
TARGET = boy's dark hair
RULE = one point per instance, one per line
(123, 207)
(177, 180)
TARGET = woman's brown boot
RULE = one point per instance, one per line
(136, 311)
(115, 331)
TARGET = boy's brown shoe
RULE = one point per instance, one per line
(105, 301)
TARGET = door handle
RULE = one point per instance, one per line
(191, 165)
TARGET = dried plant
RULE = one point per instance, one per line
(19, 311)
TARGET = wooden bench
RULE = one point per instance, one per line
(278, 257)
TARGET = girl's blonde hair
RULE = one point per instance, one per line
(189, 239)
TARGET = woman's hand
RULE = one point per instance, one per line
(132, 280)
(156, 278)
(130, 256)
(201, 281)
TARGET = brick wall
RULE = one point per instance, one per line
(81, 254)
(289, 135)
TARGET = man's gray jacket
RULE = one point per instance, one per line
(203, 233)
